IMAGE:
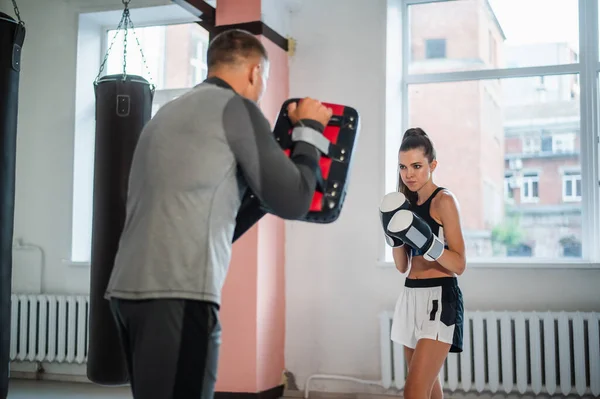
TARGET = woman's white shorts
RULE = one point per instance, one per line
(429, 308)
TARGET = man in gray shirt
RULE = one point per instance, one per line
(192, 165)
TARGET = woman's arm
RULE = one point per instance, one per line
(453, 258)
(401, 258)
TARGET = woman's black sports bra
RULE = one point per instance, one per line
(423, 211)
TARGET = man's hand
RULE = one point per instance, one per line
(309, 108)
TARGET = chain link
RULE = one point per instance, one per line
(17, 13)
(127, 18)
(126, 24)
(141, 51)
(112, 42)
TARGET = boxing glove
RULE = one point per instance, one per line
(390, 204)
(413, 230)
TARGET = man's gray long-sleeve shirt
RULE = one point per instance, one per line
(193, 162)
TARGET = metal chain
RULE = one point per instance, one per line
(17, 13)
(141, 52)
(126, 23)
(127, 18)
(112, 42)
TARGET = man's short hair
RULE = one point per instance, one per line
(233, 46)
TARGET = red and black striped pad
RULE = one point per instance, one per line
(342, 132)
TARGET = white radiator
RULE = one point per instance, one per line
(533, 352)
(49, 328)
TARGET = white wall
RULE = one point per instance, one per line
(335, 289)
(45, 139)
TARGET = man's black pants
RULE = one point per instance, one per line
(171, 347)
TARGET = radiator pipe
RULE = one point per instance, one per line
(21, 244)
(337, 377)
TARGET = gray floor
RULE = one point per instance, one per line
(30, 389)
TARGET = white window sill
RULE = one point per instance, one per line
(71, 263)
(530, 200)
(520, 263)
(516, 263)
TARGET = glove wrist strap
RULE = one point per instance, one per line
(435, 250)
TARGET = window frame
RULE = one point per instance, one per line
(571, 139)
(571, 175)
(509, 179)
(531, 144)
(529, 177)
(587, 68)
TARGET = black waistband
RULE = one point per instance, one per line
(431, 282)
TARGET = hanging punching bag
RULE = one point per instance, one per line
(123, 107)
(12, 36)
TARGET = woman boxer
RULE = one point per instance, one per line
(424, 229)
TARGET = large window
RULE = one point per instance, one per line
(509, 110)
(173, 58)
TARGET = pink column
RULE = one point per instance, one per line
(253, 306)
(271, 247)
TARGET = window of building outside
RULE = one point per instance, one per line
(571, 186)
(509, 185)
(435, 48)
(481, 87)
(175, 61)
(532, 145)
(530, 187)
(563, 143)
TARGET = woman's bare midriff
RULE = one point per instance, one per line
(421, 268)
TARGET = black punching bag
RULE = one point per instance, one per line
(12, 36)
(123, 107)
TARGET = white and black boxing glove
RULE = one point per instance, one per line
(413, 230)
(390, 204)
